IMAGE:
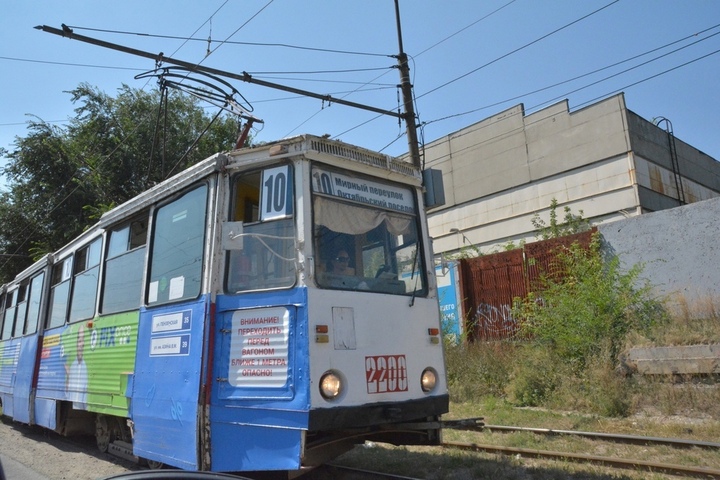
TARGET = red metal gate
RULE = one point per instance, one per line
(490, 283)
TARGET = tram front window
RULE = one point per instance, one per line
(264, 254)
(365, 235)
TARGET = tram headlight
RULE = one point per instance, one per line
(330, 385)
(428, 380)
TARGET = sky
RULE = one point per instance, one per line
(469, 60)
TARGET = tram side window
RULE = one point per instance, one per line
(33, 304)
(124, 267)
(85, 281)
(59, 292)
(177, 244)
(21, 310)
(2, 312)
(9, 316)
(263, 202)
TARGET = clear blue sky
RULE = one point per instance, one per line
(466, 56)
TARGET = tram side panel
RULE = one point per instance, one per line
(9, 354)
(25, 373)
(90, 365)
(167, 383)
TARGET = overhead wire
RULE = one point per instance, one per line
(441, 86)
(598, 70)
(231, 42)
(106, 157)
(385, 73)
(371, 82)
(512, 52)
(488, 124)
(465, 28)
(67, 64)
(578, 77)
(416, 97)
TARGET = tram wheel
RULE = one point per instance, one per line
(154, 464)
(103, 433)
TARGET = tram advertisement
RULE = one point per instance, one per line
(91, 362)
(259, 348)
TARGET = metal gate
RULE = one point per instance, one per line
(490, 283)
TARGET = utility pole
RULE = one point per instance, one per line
(406, 88)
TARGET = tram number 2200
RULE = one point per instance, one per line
(386, 373)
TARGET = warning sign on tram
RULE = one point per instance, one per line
(259, 348)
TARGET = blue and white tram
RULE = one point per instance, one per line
(264, 310)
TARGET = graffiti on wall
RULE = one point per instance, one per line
(495, 322)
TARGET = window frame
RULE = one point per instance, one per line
(65, 268)
(242, 207)
(131, 251)
(10, 297)
(149, 283)
(327, 280)
(84, 253)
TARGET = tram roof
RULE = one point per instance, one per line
(324, 149)
(311, 146)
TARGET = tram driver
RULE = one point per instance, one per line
(341, 264)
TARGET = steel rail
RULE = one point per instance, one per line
(699, 472)
(337, 472)
(611, 437)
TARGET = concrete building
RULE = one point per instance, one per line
(603, 160)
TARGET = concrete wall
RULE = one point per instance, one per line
(603, 160)
(656, 180)
(499, 172)
(680, 250)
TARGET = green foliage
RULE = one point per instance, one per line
(590, 304)
(61, 179)
(571, 223)
(575, 324)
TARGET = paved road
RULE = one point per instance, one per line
(33, 453)
(15, 470)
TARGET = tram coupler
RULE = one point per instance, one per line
(471, 424)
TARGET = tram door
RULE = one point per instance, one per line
(27, 310)
(259, 402)
(169, 362)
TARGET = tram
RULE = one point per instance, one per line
(266, 309)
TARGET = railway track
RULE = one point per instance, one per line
(651, 466)
(610, 437)
(77, 444)
(337, 472)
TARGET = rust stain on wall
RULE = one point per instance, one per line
(656, 181)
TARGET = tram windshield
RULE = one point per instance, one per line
(365, 235)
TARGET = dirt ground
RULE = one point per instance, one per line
(56, 457)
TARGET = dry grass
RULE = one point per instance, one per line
(597, 399)
(449, 464)
(692, 323)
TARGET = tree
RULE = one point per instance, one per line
(61, 179)
(571, 224)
